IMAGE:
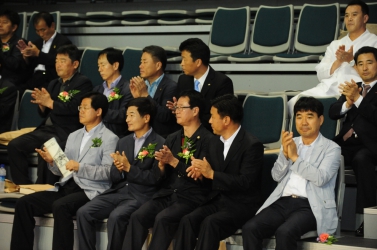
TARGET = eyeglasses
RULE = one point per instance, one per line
(181, 108)
(79, 108)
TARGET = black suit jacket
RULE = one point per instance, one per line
(237, 178)
(175, 180)
(139, 183)
(7, 101)
(164, 122)
(47, 59)
(363, 119)
(12, 63)
(215, 85)
(115, 119)
(65, 115)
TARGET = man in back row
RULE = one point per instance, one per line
(337, 65)
(116, 88)
(58, 106)
(155, 85)
(40, 54)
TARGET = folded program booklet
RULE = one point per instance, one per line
(58, 155)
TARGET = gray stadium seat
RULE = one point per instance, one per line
(139, 17)
(89, 65)
(229, 33)
(317, 27)
(265, 117)
(175, 17)
(272, 34)
(103, 18)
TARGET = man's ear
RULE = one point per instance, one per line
(366, 18)
(322, 119)
(99, 112)
(115, 65)
(147, 118)
(76, 64)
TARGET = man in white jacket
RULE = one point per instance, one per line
(337, 65)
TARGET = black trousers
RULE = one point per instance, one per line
(164, 215)
(63, 204)
(363, 163)
(288, 218)
(19, 149)
(212, 223)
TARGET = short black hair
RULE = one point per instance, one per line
(144, 107)
(197, 48)
(309, 103)
(44, 15)
(71, 50)
(113, 55)
(158, 54)
(196, 99)
(365, 50)
(99, 100)
(364, 6)
(13, 16)
(228, 105)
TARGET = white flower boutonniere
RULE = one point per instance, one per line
(114, 95)
(66, 96)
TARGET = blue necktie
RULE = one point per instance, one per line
(197, 85)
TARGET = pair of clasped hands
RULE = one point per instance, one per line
(349, 89)
(289, 146)
(27, 50)
(197, 170)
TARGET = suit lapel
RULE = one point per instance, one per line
(208, 81)
(150, 139)
(160, 89)
(89, 143)
(234, 148)
(317, 150)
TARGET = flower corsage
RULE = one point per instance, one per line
(187, 149)
(114, 95)
(2, 90)
(147, 151)
(5, 47)
(326, 239)
(96, 142)
(66, 96)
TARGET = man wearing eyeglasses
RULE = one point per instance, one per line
(88, 150)
(179, 194)
(58, 105)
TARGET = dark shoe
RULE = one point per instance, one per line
(360, 231)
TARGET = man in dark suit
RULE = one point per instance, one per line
(358, 137)
(179, 194)
(232, 169)
(116, 88)
(155, 85)
(132, 178)
(11, 62)
(200, 76)
(40, 55)
(58, 105)
(8, 97)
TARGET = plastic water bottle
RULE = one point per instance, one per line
(3, 173)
